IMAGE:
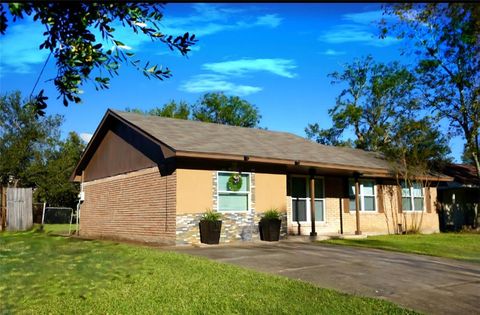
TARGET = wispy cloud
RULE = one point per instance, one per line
(360, 28)
(270, 20)
(85, 136)
(333, 52)
(209, 19)
(367, 17)
(281, 67)
(19, 47)
(19, 51)
(217, 83)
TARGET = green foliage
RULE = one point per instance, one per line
(25, 139)
(375, 94)
(70, 38)
(467, 156)
(33, 154)
(330, 136)
(381, 103)
(271, 214)
(210, 215)
(212, 107)
(52, 178)
(221, 109)
(71, 276)
(415, 147)
(446, 39)
(172, 109)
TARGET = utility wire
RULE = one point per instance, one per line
(40, 74)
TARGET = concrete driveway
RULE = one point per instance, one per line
(426, 284)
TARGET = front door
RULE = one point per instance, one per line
(301, 199)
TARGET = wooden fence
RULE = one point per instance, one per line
(19, 209)
(3, 207)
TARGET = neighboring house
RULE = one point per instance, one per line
(459, 201)
(148, 178)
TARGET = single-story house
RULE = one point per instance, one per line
(459, 200)
(150, 179)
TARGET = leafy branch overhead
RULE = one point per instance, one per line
(70, 30)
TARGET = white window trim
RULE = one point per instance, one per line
(412, 200)
(249, 193)
(307, 200)
(361, 196)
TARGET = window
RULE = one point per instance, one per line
(366, 195)
(301, 199)
(229, 200)
(412, 197)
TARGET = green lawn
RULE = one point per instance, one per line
(57, 228)
(464, 246)
(41, 273)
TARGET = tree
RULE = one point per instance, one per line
(330, 136)
(52, 178)
(172, 109)
(375, 94)
(221, 109)
(32, 153)
(24, 138)
(70, 29)
(416, 146)
(446, 38)
(212, 107)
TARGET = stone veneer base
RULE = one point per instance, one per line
(235, 227)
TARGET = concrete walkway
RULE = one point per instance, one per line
(423, 283)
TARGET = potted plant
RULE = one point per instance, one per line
(269, 226)
(210, 226)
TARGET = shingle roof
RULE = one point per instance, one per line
(201, 137)
(462, 173)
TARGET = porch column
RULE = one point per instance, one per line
(357, 205)
(312, 205)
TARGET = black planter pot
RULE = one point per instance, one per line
(270, 229)
(210, 231)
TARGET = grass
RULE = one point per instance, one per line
(57, 228)
(42, 273)
(463, 246)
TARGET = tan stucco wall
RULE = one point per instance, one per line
(370, 223)
(270, 192)
(194, 191)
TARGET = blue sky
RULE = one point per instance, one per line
(276, 56)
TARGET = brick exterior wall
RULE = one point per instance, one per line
(138, 206)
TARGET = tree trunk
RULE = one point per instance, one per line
(477, 163)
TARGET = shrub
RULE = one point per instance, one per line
(271, 214)
(211, 216)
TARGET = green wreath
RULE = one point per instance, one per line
(234, 182)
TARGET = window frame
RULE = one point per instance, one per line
(248, 192)
(307, 199)
(412, 198)
(362, 196)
